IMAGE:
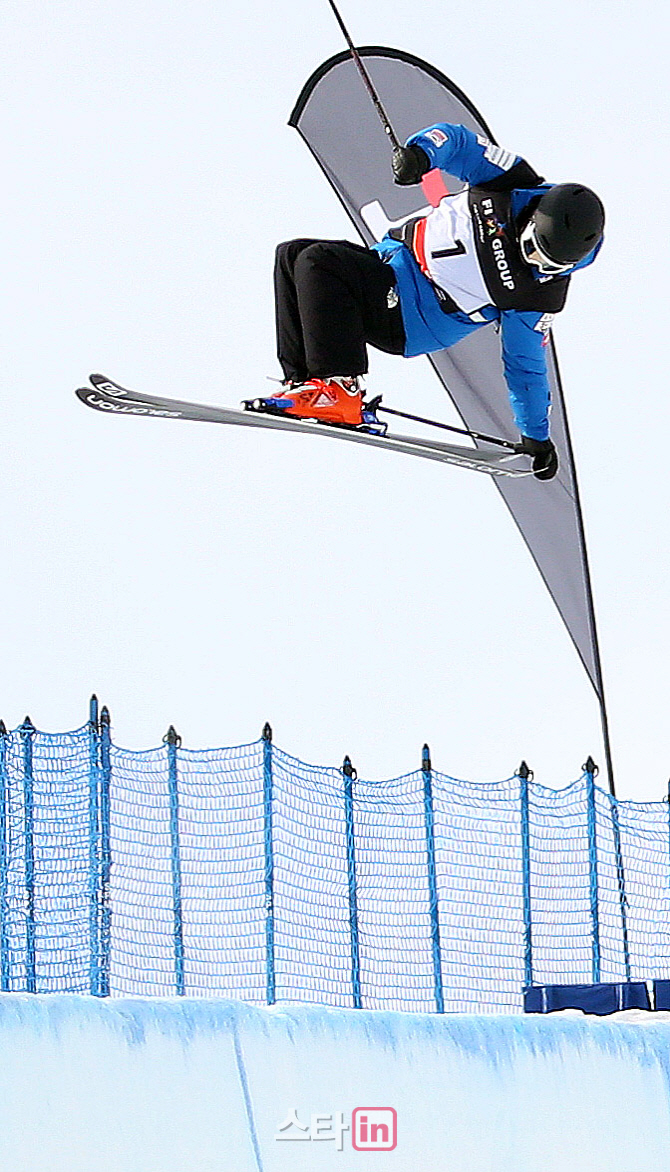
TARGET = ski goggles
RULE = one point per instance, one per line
(533, 253)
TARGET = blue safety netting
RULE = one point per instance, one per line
(245, 873)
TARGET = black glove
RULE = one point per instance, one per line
(545, 457)
(409, 164)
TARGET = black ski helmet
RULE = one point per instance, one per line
(569, 222)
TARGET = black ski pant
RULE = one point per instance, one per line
(332, 298)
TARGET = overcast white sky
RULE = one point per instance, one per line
(363, 602)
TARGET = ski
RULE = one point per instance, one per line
(107, 396)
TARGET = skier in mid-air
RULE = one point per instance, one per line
(502, 250)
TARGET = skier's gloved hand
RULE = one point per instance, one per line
(409, 165)
(545, 457)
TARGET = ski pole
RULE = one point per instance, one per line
(477, 435)
(384, 118)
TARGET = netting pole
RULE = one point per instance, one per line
(4, 861)
(621, 883)
(27, 731)
(268, 794)
(350, 776)
(173, 741)
(590, 770)
(525, 776)
(105, 852)
(426, 769)
(94, 847)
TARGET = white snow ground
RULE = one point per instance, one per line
(204, 1086)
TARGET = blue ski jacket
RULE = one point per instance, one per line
(523, 333)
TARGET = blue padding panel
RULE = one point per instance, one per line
(662, 994)
(534, 999)
(598, 999)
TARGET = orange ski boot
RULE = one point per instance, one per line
(329, 400)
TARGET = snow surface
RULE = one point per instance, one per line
(203, 1086)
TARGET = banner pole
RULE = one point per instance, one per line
(607, 745)
(596, 676)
